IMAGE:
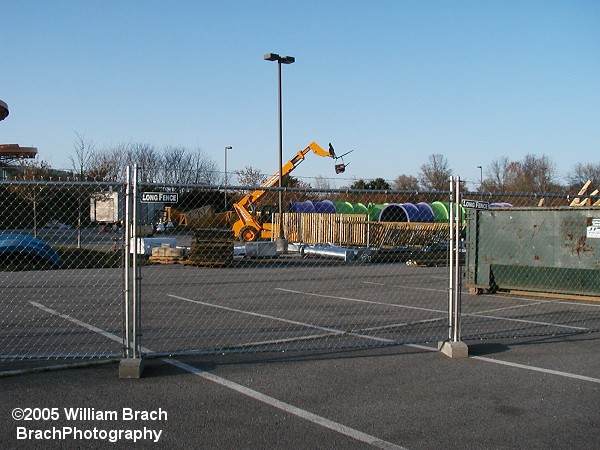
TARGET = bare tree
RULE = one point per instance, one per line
(84, 154)
(250, 176)
(435, 174)
(406, 183)
(175, 165)
(204, 169)
(581, 173)
(497, 175)
(148, 160)
(539, 174)
(33, 169)
(531, 174)
(109, 164)
(323, 184)
(172, 165)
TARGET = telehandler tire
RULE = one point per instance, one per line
(249, 234)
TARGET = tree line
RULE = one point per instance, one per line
(181, 165)
(531, 174)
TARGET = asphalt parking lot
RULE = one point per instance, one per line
(512, 392)
(517, 393)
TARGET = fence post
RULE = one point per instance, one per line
(126, 265)
(454, 347)
(132, 365)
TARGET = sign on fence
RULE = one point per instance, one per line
(159, 197)
(475, 204)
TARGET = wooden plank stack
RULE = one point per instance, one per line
(586, 201)
(317, 228)
(407, 234)
(356, 230)
(165, 254)
(211, 247)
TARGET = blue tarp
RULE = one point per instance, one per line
(23, 244)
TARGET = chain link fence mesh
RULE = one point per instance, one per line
(359, 268)
(61, 272)
(343, 279)
(531, 266)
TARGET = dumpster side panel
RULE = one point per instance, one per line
(537, 249)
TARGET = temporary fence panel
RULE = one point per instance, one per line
(531, 270)
(61, 272)
(329, 289)
(346, 279)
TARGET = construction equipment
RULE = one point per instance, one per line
(203, 217)
(250, 226)
(174, 216)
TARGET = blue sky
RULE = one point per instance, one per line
(393, 80)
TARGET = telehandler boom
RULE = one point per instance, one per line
(249, 227)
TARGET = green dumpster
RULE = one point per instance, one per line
(546, 250)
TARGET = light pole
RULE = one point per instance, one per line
(480, 178)
(280, 60)
(225, 189)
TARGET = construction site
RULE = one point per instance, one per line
(368, 296)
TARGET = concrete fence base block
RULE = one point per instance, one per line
(281, 245)
(454, 349)
(131, 368)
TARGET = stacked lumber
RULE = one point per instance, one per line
(407, 234)
(319, 228)
(211, 247)
(356, 230)
(577, 201)
(165, 254)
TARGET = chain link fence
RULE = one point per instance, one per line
(342, 278)
(61, 271)
(355, 268)
(532, 266)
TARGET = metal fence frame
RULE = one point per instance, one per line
(135, 296)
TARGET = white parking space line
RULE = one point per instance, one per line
(357, 300)
(404, 324)
(416, 288)
(333, 331)
(309, 337)
(106, 334)
(395, 305)
(283, 406)
(509, 297)
(537, 369)
(481, 314)
(532, 322)
(504, 308)
(291, 409)
(420, 346)
(517, 365)
(249, 313)
(587, 304)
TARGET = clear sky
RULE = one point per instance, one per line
(393, 80)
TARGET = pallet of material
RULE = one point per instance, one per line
(165, 254)
(211, 247)
(199, 263)
(408, 234)
(166, 259)
(357, 230)
(318, 228)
